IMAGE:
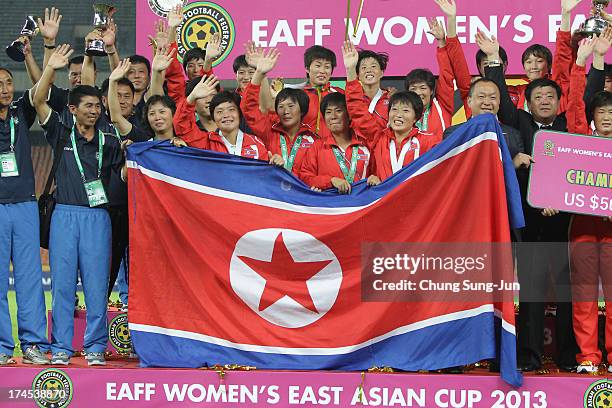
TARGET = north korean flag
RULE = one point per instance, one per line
(234, 261)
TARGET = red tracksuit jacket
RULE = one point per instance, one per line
(186, 128)
(268, 128)
(320, 164)
(380, 137)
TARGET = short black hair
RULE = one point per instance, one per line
(381, 57)
(607, 70)
(122, 81)
(540, 51)
(139, 59)
(600, 100)
(296, 95)
(420, 75)
(193, 54)
(408, 98)
(480, 56)
(192, 83)
(239, 62)
(481, 81)
(78, 60)
(318, 52)
(333, 99)
(77, 93)
(222, 97)
(7, 71)
(540, 83)
(164, 100)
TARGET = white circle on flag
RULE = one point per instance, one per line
(249, 285)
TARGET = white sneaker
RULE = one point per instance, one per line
(587, 367)
(95, 359)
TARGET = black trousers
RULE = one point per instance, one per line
(120, 239)
(544, 276)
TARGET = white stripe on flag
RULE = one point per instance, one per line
(319, 351)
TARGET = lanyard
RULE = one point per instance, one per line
(296, 146)
(12, 125)
(78, 159)
(349, 174)
(398, 162)
(234, 149)
(375, 100)
(423, 124)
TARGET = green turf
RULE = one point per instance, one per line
(13, 311)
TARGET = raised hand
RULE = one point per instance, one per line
(110, 34)
(585, 50)
(268, 60)
(27, 46)
(276, 85)
(489, 46)
(121, 70)
(59, 59)
(161, 35)
(350, 55)
(437, 30)
(602, 45)
(568, 5)
(206, 87)
(213, 47)
(252, 53)
(50, 26)
(175, 16)
(163, 58)
(448, 7)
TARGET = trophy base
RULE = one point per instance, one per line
(15, 51)
(95, 53)
(95, 48)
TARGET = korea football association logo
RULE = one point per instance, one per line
(52, 388)
(201, 20)
(287, 277)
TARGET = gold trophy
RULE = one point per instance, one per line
(102, 18)
(29, 30)
(596, 24)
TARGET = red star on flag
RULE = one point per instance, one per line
(284, 276)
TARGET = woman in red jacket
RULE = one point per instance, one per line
(225, 111)
(341, 156)
(590, 236)
(395, 143)
(285, 134)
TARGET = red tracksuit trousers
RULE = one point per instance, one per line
(591, 258)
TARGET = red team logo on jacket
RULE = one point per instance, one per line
(305, 291)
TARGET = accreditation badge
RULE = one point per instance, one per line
(9, 165)
(95, 193)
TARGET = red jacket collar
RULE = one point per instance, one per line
(356, 139)
(304, 129)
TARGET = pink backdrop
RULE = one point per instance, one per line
(548, 185)
(397, 27)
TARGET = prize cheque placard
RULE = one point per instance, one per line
(571, 173)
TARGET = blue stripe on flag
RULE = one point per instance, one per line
(439, 346)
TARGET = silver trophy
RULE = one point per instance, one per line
(102, 18)
(596, 24)
(30, 29)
